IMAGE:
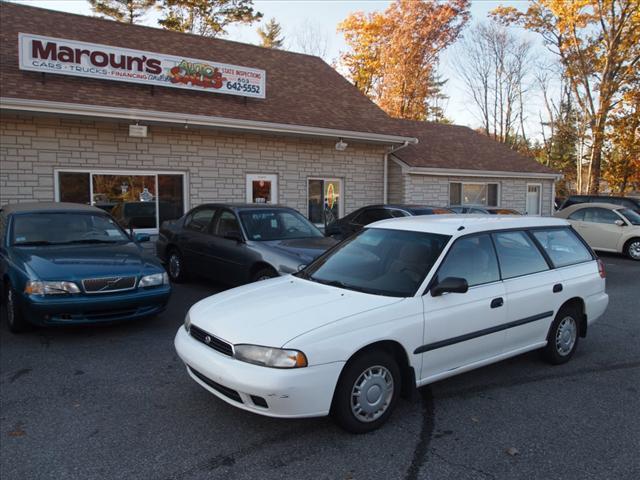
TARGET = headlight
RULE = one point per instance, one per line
(270, 357)
(154, 280)
(37, 287)
(187, 322)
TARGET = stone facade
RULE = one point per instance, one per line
(216, 162)
(434, 190)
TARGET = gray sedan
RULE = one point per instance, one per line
(237, 244)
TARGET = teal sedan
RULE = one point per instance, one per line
(71, 264)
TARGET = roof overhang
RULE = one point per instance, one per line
(455, 172)
(154, 117)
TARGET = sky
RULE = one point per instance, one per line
(324, 16)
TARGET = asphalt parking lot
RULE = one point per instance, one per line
(115, 402)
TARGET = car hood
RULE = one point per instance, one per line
(273, 312)
(75, 262)
(307, 249)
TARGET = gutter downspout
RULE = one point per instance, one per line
(385, 176)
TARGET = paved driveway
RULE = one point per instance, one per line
(115, 402)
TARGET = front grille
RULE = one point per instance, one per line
(211, 341)
(108, 284)
(226, 391)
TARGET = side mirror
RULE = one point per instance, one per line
(141, 237)
(234, 235)
(620, 223)
(450, 285)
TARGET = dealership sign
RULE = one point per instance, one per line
(69, 57)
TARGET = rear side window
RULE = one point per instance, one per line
(600, 215)
(518, 255)
(472, 258)
(373, 215)
(577, 215)
(200, 219)
(562, 246)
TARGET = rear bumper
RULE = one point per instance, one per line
(595, 306)
(93, 309)
(289, 393)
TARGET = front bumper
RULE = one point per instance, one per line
(289, 393)
(97, 308)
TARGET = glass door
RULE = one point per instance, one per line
(325, 200)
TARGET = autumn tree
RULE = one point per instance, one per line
(394, 55)
(127, 11)
(208, 18)
(495, 66)
(271, 35)
(598, 43)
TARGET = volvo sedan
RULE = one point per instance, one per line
(70, 264)
(401, 304)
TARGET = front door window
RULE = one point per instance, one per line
(325, 200)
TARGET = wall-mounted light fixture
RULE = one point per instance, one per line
(341, 145)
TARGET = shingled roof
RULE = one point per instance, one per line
(461, 148)
(301, 89)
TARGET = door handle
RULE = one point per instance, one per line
(497, 302)
(557, 288)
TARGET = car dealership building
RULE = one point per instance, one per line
(148, 123)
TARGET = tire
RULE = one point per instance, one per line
(11, 311)
(264, 274)
(563, 337)
(382, 387)
(176, 267)
(632, 249)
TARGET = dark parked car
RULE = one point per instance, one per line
(69, 264)
(486, 210)
(632, 203)
(357, 220)
(236, 244)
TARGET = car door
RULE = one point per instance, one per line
(465, 328)
(194, 239)
(533, 288)
(599, 229)
(231, 257)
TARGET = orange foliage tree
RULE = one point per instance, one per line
(393, 55)
(598, 43)
(622, 169)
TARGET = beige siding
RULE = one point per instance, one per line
(216, 162)
(396, 183)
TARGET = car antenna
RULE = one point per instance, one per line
(461, 227)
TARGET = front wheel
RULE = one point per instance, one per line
(563, 336)
(263, 274)
(632, 249)
(367, 392)
(12, 312)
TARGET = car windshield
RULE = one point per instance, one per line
(379, 261)
(65, 228)
(431, 211)
(277, 224)
(633, 217)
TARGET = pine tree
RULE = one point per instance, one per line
(126, 11)
(271, 35)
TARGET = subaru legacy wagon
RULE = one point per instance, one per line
(401, 304)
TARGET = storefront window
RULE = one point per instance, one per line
(262, 188)
(136, 201)
(325, 200)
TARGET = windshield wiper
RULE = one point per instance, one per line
(33, 244)
(87, 240)
(339, 284)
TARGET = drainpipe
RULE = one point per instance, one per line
(385, 178)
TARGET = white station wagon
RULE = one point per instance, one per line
(401, 304)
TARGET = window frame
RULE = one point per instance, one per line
(267, 177)
(462, 184)
(99, 171)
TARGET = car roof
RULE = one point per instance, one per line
(34, 207)
(399, 205)
(581, 206)
(245, 206)
(456, 225)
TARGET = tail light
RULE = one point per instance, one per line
(601, 269)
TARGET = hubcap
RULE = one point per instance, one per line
(566, 336)
(372, 393)
(174, 265)
(634, 250)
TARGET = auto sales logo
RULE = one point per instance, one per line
(70, 57)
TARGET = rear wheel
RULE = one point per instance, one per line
(367, 392)
(563, 336)
(175, 266)
(12, 313)
(632, 249)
